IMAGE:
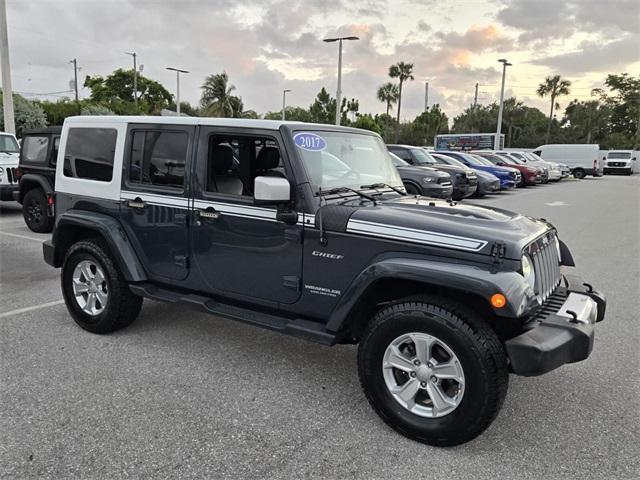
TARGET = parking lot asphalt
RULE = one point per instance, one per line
(183, 394)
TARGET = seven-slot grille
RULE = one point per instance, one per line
(11, 175)
(546, 265)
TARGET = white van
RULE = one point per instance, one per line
(582, 159)
(620, 161)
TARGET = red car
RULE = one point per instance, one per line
(530, 175)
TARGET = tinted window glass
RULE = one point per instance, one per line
(34, 149)
(158, 158)
(89, 153)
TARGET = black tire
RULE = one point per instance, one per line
(579, 173)
(474, 343)
(34, 211)
(412, 189)
(122, 307)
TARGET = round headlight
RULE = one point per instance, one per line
(527, 271)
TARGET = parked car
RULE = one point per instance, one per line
(37, 169)
(443, 299)
(487, 182)
(551, 169)
(9, 154)
(620, 161)
(509, 177)
(529, 175)
(425, 181)
(465, 181)
(582, 159)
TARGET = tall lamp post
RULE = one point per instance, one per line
(505, 64)
(135, 77)
(339, 89)
(284, 102)
(178, 72)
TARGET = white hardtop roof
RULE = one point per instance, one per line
(206, 121)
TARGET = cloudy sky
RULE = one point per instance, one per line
(268, 45)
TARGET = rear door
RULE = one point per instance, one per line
(155, 197)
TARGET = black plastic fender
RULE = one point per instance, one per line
(474, 279)
(108, 228)
(41, 180)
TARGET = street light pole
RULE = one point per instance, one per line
(75, 83)
(339, 88)
(135, 78)
(284, 103)
(505, 64)
(7, 92)
(178, 72)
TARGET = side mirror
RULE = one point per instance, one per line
(271, 190)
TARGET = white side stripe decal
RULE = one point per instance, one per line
(414, 235)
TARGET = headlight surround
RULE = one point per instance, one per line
(427, 179)
(1, 172)
(557, 244)
(528, 272)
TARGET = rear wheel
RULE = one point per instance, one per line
(433, 370)
(34, 211)
(95, 292)
(579, 173)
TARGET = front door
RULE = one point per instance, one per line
(155, 199)
(240, 248)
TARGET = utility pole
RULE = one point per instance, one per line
(75, 82)
(475, 97)
(135, 78)
(7, 91)
(505, 64)
(284, 101)
(426, 96)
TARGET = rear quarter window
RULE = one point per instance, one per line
(89, 153)
(34, 149)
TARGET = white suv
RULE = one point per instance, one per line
(9, 156)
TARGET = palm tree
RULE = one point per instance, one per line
(403, 72)
(388, 93)
(554, 87)
(216, 97)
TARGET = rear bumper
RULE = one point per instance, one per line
(6, 192)
(554, 338)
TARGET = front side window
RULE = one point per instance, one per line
(34, 149)
(158, 158)
(8, 144)
(341, 159)
(89, 153)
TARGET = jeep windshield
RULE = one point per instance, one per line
(8, 144)
(336, 160)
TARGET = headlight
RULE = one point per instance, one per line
(527, 271)
(427, 179)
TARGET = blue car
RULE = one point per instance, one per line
(509, 177)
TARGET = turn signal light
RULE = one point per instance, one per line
(498, 300)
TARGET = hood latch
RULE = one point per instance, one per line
(498, 252)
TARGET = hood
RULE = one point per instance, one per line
(438, 223)
(9, 159)
(421, 171)
(454, 168)
(486, 175)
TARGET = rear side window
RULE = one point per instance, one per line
(34, 149)
(158, 158)
(89, 153)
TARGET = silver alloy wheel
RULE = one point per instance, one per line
(423, 375)
(90, 287)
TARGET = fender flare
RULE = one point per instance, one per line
(41, 180)
(109, 229)
(474, 279)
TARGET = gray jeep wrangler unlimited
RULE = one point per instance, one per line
(306, 229)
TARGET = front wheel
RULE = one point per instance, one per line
(95, 292)
(412, 189)
(433, 370)
(579, 174)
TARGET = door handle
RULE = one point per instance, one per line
(136, 203)
(209, 214)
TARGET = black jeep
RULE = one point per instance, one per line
(37, 172)
(305, 229)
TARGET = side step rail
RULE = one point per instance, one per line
(298, 327)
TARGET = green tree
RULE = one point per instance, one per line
(323, 109)
(624, 101)
(27, 114)
(116, 93)
(553, 87)
(476, 119)
(367, 122)
(217, 99)
(388, 94)
(403, 72)
(295, 114)
(425, 127)
(587, 122)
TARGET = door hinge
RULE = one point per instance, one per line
(181, 261)
(291, 282)
(498, 251)
(180, 219)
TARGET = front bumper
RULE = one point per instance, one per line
(464, 190)
(437, 190)
(562, 331)
(507, 183)
(626, 170)
(6, 192)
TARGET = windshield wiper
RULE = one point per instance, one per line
(345, 190)
(383, 185)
